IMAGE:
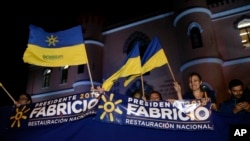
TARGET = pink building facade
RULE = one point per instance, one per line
(195, 36)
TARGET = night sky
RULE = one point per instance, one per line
(15, 31)
(13, 72)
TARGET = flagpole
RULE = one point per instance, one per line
(171, 72)
(7, 93)
(142, 86)
(91, 81)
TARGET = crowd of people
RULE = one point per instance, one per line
(238, 103)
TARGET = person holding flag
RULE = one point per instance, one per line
(196, 90)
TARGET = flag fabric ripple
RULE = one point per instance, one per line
(131, 66)
(153, 57)
(55, 49)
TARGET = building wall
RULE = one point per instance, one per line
(227, 37)
(220, 59)
(164, 30)
(210, 60)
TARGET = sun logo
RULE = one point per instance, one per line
(20, 114)
(109, 107)
(52, 40)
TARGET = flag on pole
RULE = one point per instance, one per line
(55, 49)
(131, 66)
(153, 57)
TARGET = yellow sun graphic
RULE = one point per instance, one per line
(52, 40)
(109, 107)
(20, 114)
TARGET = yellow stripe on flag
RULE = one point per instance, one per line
(128, 69)
(55, 57)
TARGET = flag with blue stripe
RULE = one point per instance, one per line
(55, 49)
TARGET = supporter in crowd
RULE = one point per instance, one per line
(155, 96)
(23, 99)
(137, 94)
(196, 91)
(239, 101)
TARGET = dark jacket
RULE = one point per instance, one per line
(228, 105)
(210, 94)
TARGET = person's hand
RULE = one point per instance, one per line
(238, 107)
(92, 88)
(101, 90)
(17, 103)
(97, 92)
(214, 106)
(246, 106)
(98, 88)
(144, 98)
(177, 87)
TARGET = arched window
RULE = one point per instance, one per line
(46, 77)
(243, 25)
(194, 30)
(135, 37)
(64, 74)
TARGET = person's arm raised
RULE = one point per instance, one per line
(177, 88)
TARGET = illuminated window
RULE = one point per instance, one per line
(64, 74)
(244, 30)
(46, 77)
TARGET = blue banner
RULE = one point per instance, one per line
(174, 115)
(113, 108)
(55, 111)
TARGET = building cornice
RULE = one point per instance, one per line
(214, 60)
(94, 42)
(190, 11)
(138, 23)
(184, 13)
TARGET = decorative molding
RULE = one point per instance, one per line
(76, 84)
(204, 10)
(94, 42)
(189, 11)
(82, 83)
(41, 95)
(237, 61)
(138, 23)
(214, 60)
(200, 61)
(231, 12)
(192, 25)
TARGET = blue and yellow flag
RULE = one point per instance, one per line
(153, 57)
(55, 49)
(131, 66)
